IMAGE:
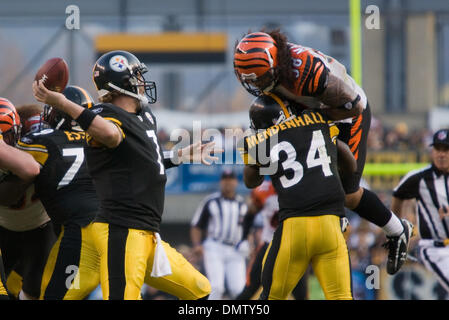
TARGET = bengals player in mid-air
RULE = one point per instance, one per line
(299, 153)
(266, 62)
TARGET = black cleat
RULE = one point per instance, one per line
(398, 247)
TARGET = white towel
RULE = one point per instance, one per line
(161, 265)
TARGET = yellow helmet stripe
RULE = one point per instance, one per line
(90, 102)
(279, 101)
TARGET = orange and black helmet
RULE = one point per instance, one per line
(255, 62)
(9, 122)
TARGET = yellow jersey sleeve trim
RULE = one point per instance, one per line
(117, 123)
(37, 147)
(40, 157)
(40, 154)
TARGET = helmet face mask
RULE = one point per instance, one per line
(12, 135)
(256, 63)
(139, 82)
(56, 119)
(259, 85)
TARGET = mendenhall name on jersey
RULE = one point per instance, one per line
(300, 156)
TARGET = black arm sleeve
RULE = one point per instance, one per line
(168, 160)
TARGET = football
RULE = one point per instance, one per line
(54, 73)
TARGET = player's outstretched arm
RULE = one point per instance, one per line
(339, 113)
(198, 153)
(103, 131)
(339, 95)
(18, 162)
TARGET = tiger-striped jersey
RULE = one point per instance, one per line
(300, 156)
(63, 185)
(311, 68)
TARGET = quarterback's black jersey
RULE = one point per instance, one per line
(300, 156)
(63, 185)
(130, 179)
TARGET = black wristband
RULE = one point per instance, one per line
(85, 119)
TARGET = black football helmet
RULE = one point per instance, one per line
(60, 120)
(121, 71)
(267, 110)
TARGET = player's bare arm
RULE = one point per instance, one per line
(196, 235)
(338, 93)
(103, 131)
(252, 177)
(18, 162)
(199, 153)
(347, 164)
(341, 113)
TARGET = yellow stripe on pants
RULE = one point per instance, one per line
(317, 240)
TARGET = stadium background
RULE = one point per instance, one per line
(188, 46)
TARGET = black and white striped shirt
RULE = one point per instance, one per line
(429, 187)
(223, 218)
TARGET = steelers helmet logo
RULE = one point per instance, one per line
(118, 63)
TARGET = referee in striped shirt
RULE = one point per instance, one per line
(220, 219)
(430, 188)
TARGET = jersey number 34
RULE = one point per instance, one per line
(318, 145)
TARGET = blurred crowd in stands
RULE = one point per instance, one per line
(399, 137)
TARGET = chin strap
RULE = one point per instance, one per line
(128, 93)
